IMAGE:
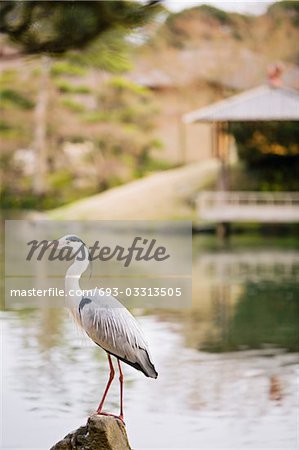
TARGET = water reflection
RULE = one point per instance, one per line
(256, 315)
(227, 366)
(251, 299)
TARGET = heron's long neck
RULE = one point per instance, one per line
(74, 273)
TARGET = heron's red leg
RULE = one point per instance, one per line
(111, 376)
(121, 383)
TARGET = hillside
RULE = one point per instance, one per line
(203, 54)
(228, 48)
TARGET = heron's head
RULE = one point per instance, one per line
(72, 241)
(79, 250)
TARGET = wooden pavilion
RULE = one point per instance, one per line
(269, 102)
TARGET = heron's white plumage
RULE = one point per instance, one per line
(106, 321)
(110, 325)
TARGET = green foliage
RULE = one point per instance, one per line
(4, 126)
(257, 140)
(266, 314)
(8, 76)
(128, 103)
(9, 131)
(218, 14)
(121, 85)
(286, 7)
(67, 68)
(175, 35)
(62, 190)
(176, 29)
(26, 199)
(73, 105)
(57, 26)
(115, 118)
(150, 164)
(97, 116)
(277, 174)
(13, 97)
(66, 87)
(270, 151)
(60, 179)
(109, 52)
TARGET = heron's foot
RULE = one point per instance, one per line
(102, 413)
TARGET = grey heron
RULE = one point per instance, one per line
(106, 321)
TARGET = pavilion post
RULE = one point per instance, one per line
(221, 151)
(222, 144)
(214, 140)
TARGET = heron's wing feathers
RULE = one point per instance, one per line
(110, 325)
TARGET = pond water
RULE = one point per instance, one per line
(228, 366)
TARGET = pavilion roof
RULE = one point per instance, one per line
(264, 103)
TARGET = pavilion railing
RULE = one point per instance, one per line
(233, 206)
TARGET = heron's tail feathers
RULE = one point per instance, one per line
(143, 363)
(147, 366)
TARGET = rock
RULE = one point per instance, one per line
(100, 433)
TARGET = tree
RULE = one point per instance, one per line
(57, 26)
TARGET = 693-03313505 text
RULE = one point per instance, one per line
(114, 291)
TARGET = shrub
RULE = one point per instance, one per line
(15, 98)
(67, 68)
(73, 106)
(66, 87)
